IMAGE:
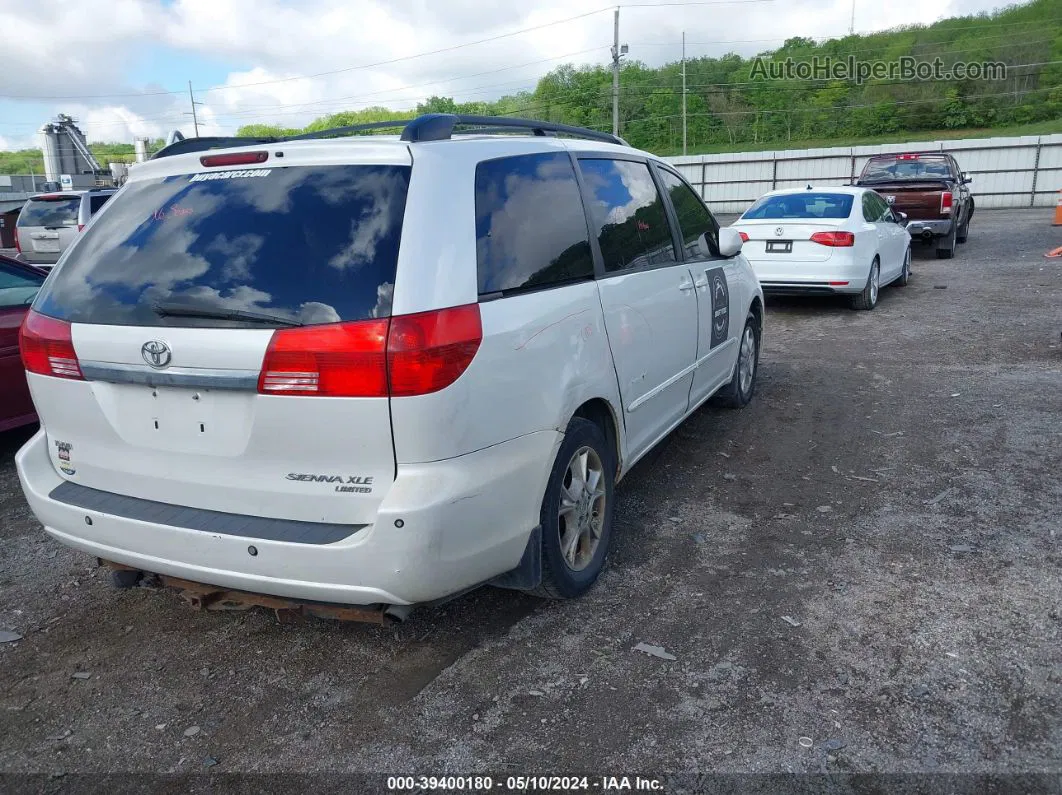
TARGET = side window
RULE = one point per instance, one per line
(17, 288)
(698, 227)
(95, 202)
(868, 208)
(882, 211)
(628, 214)
(530, 226)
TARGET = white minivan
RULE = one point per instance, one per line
(379, 370)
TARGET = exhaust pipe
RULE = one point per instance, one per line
(927, 234)
(398, 613)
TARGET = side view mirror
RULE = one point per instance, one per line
(729, 242)
(901, 218)
(966, 179)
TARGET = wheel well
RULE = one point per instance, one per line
(757, 311)
(599, 412)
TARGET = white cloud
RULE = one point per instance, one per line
(276, 40)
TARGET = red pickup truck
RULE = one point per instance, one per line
(930, 189)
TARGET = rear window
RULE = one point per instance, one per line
(96, 202)
(50, 212)
(808, 206)
(307, 245)
(530, 226)
(894, 168)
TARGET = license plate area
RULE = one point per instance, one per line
(46, 245)
(779, 246)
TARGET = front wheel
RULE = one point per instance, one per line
(868, 299)
(739, 391)
(576, 516)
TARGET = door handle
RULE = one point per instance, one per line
(701, 285)
(686, 286)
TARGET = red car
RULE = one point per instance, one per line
(19, 284)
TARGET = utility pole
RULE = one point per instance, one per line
(683, 93)
(195, 119)
(615, 73)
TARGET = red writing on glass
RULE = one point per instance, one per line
(643, 226)
(171, 212)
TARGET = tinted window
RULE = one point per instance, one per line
(693, 218)
(628, 214)
(530, 225)
(313, 245)
(808, 205)
(50, 212)
(17, 287)
(884, 169)
(95, 202)
(875, 208)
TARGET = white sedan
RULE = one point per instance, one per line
(826, 241)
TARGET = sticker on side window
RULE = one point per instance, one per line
(240, 174)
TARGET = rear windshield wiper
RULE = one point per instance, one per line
(171, 309)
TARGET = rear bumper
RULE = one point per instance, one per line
(923, 230)
(463, 521)
(37, 258)
(775, 288)
(841, 273)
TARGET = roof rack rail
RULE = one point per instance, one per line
(210, 142)
(440, 127)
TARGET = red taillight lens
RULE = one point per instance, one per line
(834, 239)
(47, 347)
(408, 355)
(234, 159)
(946, 200)
(337, 360)
(80, 227)
(18, 246)
(429, 351)
(744, 237)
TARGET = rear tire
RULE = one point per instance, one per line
(576, 517)
(947, 250)
(905, 274)
(868, 299)
(742, 386)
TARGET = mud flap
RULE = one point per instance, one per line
(528, 574)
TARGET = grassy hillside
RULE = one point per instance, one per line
(727, 108)
(27, 161)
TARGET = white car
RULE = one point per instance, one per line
(826, 241)
(375, 371)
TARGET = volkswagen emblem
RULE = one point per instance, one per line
(779, 231)
(156, 353)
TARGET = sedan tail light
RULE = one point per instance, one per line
(946, 200)
(744, 237)
(18, 246)
(834, 239)
(47, 347)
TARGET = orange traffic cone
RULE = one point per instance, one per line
(1058, 210)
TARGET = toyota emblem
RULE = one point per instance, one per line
(156, 353)
(779, 231)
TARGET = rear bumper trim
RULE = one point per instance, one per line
(230, 524)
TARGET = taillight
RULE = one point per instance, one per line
(18, 246)
(945, 202)
(337, 360)
(47, 347)
(234, 159)
(744, 237)
(834, 239)
(80, 227)
(408, 355)
(429, 351)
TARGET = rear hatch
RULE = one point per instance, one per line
(47, 226)
(230, 325)
(920, 200)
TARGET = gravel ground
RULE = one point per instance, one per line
(857, 573)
